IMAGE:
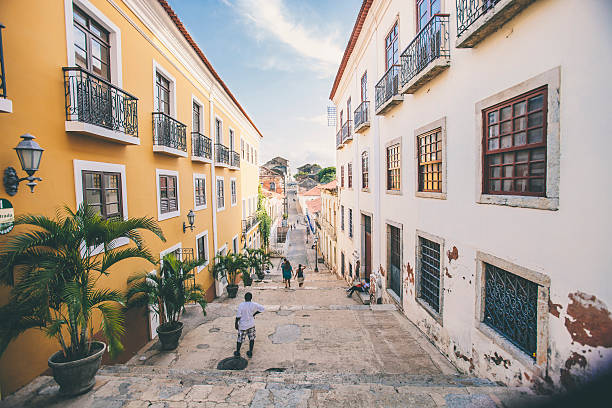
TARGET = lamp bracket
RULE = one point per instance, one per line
(11, 181)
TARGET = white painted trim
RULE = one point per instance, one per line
(171, 249)
(207, 249)
(217, 192)
(170, 151)
(231, 130)
(172, 214)
(233, 202)
(158, 68)
(199, 207)
(79, 166)
(98, 131)
(235, 238)
(6, 105)
(212, 177)
(214, 131)
(202, 129)
(114, 37)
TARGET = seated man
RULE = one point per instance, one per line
(361, 286)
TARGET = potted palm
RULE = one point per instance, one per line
(258, 260)
(167, 291)
(54, 271)
(229, 267)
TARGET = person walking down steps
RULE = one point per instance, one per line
(299, 274)
(245, 323)
(287, 272)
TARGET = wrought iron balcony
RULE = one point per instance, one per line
(94, 101)
(221, 154)
(249, 223)
(476, 19)
(169, 133)
(234, 158)
(339, 139)
(347, 131)
(387, 90)
(2, 73)
(362, 116)
(201, 146)
(427, 55)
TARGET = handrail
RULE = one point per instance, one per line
(99, 78)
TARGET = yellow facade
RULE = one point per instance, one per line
(150, 40)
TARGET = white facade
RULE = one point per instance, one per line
(557, 241)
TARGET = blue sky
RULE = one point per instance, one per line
(279, 58)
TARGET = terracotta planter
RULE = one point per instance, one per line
(232, 291)
(169, 335)
(79, 376)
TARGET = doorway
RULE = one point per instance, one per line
(366, 244)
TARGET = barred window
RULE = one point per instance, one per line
(102, 192)
(365, 182)
(349, 173)
(220, 194)
(234, 192)
(167, 194)
(341, 176)
(393, 167)
(200, 191)
(511, 307)
(350, 222)
(429, 273)
(342, 217)
(202, 247)
(515, 145)
(430, 161)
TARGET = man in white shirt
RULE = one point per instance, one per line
(245, 323)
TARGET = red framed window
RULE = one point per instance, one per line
(365, 182)
(426, 9)
(514, 148)
(341, 176)
(392, 47)
(393, 167)
(349, 171)
(167, 194)
(364, 87)
(430, 161)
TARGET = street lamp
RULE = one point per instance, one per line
(191, 219)
(316, 241)
(29, 153)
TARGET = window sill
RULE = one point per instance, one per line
(88, 129)
(220, 208)
(389, 104)
(201, 159)
(365, 190)
(509, 348)
(200, 207)
(6, 105)
(218, 164)
(168, 215)
(170, 151)
(393, 192)
(234, 204)
(395, 298)
(201, 268)
(429, 194)
(490, 22)
(435, 315)
(362, 127)
(538, 203)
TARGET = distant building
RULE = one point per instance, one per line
(327, 222)
(309, 169)
(271, 180)
(305, 197)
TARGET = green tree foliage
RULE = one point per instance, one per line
(326, 175)
(229, 266)
(57, 264)
(265, 221)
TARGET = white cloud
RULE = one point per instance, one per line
(318, 119)
(271, 18)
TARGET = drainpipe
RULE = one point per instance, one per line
(212, 171)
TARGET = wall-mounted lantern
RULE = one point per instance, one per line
(29, 153)
(191, 219)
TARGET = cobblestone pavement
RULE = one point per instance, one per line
(315, 348)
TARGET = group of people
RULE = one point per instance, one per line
(288, 273)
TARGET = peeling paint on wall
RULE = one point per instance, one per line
(446, 272)
(461, 356)
(553, 308)
(497, 359)
(453, 254)
(588, 320)
(410, 273)
(568, 380)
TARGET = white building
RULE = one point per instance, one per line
(472, 174)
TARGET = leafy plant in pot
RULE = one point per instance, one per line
(167, 291)
(54, 271)
(258, 260)
(230, 267)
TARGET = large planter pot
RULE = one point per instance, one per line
(232, 291)
(79, 376)
(169, 335)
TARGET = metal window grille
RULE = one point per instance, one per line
(429, 273)
(350, 222)
(393, 167)
(515, 145)
(220, 194)
(430, 161)
(201, 146)
(511, 307)
(342, 217)
(349, 173)
(365, 183)
(394, 255)
(169, 132)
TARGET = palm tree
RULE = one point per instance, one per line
(54, 269)
(168, 290)
(230, 267)
(259, 260)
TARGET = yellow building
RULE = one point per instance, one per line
(134, 119)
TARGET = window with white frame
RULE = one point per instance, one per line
(102, 186)
(197, 117)
(202, 248)
(168, 205)
(218, 131)
(199, 191)
(429, 271)
(242, 148)
(234, 192)
(342, 217)
(220, 194)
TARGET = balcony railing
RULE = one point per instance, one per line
(221, 154)
(468, 11)
(429, 44)
(201, 146)
(248, 223)
(347, 131)
(387, 87)
(169, 132)
(93, 100)
(234, 158)
(339, 139)
(362, 115)
(2, 73)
